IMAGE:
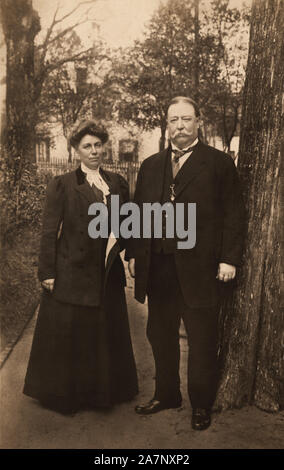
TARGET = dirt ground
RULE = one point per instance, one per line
(26, 425)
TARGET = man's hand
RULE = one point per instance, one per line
(226, 272)
(131, 267)
(48, 284)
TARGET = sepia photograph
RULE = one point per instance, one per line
(141, 228)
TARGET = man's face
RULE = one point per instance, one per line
(182, 124)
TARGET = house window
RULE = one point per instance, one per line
(128, 150)
(107, 153)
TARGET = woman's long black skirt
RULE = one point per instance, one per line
(82, 356)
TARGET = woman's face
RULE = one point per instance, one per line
(90, 151)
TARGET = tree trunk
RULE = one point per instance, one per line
(252, 319)
(196, 50)
(230, 131)
(3, 55)
(69, 149)
(163, 137)
(20, 25)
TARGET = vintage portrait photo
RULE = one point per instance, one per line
(141, 240)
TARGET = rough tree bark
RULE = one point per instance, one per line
(253, 318)
(20, 25)
(3, 54)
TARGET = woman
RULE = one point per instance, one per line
(81, 354)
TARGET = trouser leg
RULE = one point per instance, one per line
(163, 335)
(202, 330)
(163, 328)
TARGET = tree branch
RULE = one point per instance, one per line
(65, 31)
(47, 41)
(74, 9)
(79, 56)
(44, 45)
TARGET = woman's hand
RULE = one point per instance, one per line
(48, 284)
(131, 267)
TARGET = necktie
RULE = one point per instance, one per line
(177, 155)
(181, 153)
(175, 167)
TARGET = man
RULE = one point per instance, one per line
(185, 283)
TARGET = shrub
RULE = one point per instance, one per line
(22, 195)
(22, 192)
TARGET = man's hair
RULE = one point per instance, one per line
(184, 99)
(87, 128)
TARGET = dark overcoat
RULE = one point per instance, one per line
(81, 353)
(208, 178)
(67, 253)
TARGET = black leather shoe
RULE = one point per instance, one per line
(201, 419)
(154, 406)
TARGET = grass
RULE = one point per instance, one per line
(20, 289)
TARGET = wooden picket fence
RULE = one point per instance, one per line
(128, 170)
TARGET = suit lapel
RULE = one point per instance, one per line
(191, 168)
(83, 187)
(110, 181)
(156, 177)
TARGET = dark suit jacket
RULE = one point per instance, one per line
(71, 257)
(208, 178)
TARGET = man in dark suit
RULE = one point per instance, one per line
(185, 283)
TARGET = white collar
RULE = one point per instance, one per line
(195, 142)
(89, 171)
(94, 177)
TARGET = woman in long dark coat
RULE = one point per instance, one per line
(81, 354)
